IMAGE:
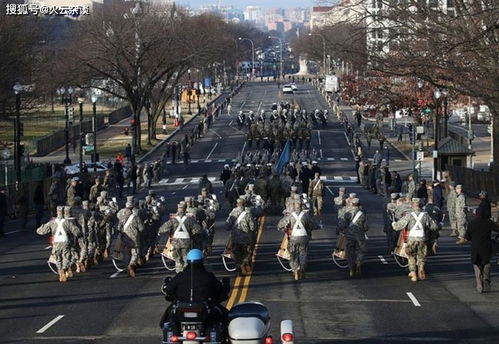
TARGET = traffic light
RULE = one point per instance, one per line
(71, 115)
(89, 139)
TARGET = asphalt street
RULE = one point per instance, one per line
(105, 307)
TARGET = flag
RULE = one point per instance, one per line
(284, 158)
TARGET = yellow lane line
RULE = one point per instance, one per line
(235, 291)
(247, 279)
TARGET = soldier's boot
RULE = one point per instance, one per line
(147, 257)
(413, 276)
(358, 270)
(131, 270)
(78, 268)
(461, 241)
(421, 273)
(297, 275)
(62, 276)
(82, 267)
(106, 253)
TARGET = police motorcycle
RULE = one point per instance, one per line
(204, 322)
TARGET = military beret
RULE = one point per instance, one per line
(240, 201)
(129, 198)
(355, 201)
(103, 193)
(342, 189)
(459, 186)
(452, 183)
(181, 205)
(394, 195)
(352, 195)
(85, 202)
(67, 210)
(416, 200)
(60, 209)
(129, 204)
(294, 187)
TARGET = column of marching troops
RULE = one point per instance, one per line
(88, 231)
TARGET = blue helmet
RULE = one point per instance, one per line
(194, 256)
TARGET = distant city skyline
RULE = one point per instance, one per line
(243, 3)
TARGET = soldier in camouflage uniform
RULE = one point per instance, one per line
(420, 224)
(316, 193)
(63, 232)
(181, 229)
(298, 225)
(108, 210)
(242, 228)
(460, 212)
(199, 238)
(354, 225)
(95, 191)
(451, 208)
(290, 200)
(411, 186)
(388, 218)
(82, 216)
(130, 227)
(261, 187)
(71, 192)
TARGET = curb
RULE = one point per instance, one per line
(156, 147)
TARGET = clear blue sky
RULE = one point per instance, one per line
(243, 3)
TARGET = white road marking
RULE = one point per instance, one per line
(221, 160)
(320, 152)
(415, 301)
(115, 274)
(330, 191)
(383, 260)
(244, 147)
(185, 187)
(194, 161)
(52, 322)
(11, 232)
(173, 193)
(48, 247)
(231, 122)
(319, 137)
(330, 159)
(344, 159)
(207, 161)
(215, 146)
(216, 133)
(338, 178)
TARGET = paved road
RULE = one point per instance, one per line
(101, 306)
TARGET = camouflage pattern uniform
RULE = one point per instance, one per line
(460, 212)
(181, 228)
(419, 224)
(451, 209)
(316, 192)
(389, 217)
(63, 231)
(354, 225)
(242, 228)
(130, 227)
(299, 226)
(82, 216)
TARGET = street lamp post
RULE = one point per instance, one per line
(445, 93)
(17, 146)
(280, 54)
(80, 101)
(323, 49)
(94, 129)
(252, 55)
(189, 92)
(437, 94)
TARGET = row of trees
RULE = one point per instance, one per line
(131, 51)
(450, 44)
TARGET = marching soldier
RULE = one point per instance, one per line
(290, 200)
(95, 191)
(339, 201)
(460, 212)
(389, 217)
(354, 225)
(436, 214)
(71, 192)
(63, 232)
(451, 207)
(316, 192)
(181, 228)
(82, 216)
(242, 229)
(130, 227)
(298, 225)
(419, 224)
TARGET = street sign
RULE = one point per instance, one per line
(419, 129)
(88, 148)
(435, 154)
(419, 155)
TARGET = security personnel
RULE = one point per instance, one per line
(180, 228)
(419, 224)
(242, 228)
(354, 225)
(316, 193)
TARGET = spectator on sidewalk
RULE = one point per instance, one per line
(39, 202)
(438, 198)
(484, 205)
(422, 192)
(386, 155)
(128, 153)
(3, 211)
